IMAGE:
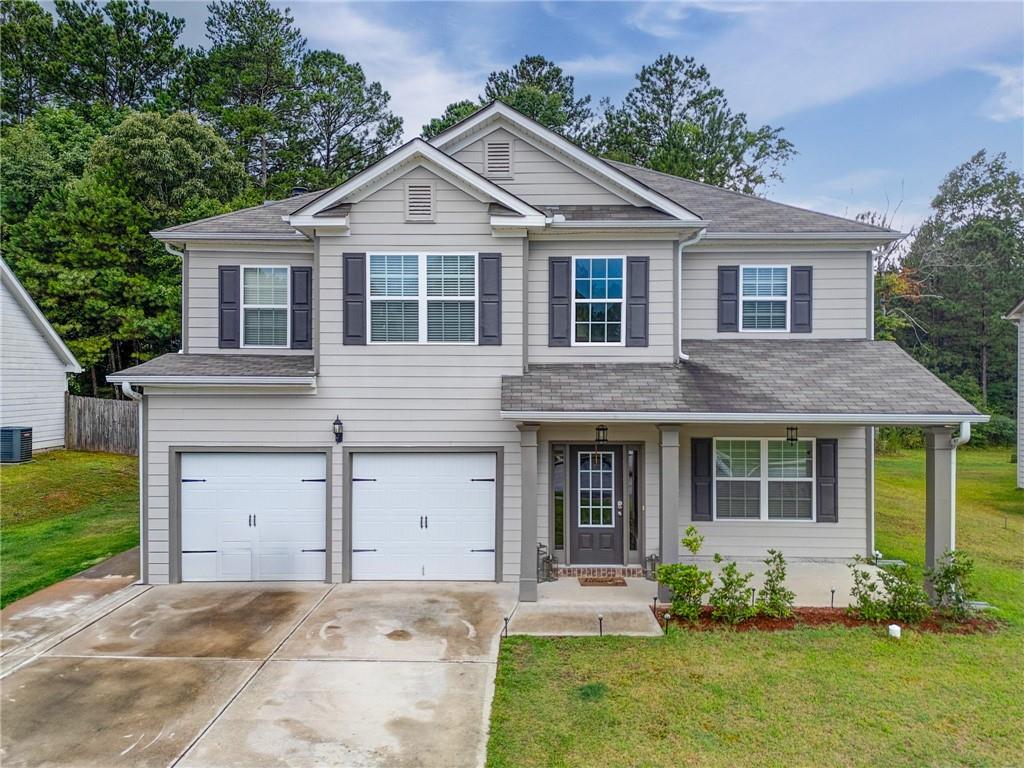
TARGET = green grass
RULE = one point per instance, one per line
(809, 697)
(61, 513)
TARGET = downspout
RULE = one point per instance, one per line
(131, 394)
(679, 286)
(184, 290)
(964, 437)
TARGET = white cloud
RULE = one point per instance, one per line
(416, 71)
(609, 64)
(662, 19)
(1007, 101)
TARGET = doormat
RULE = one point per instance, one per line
(602, 581)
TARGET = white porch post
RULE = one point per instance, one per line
(940, 493)
(669, 471)
(528, 521)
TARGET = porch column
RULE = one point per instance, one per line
(528, 521)
(669, 472)
(940, 493)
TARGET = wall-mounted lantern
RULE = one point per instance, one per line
(339, 430)
(601, 435)
(791, 435)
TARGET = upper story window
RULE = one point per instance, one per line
(764, 479)
(764, 298)
(598, 291)
(265, 307)
(421, 298)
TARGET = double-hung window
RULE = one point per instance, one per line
(764, 298)
(599, 286)
(764, 479)
(265, 307)
(423, 298)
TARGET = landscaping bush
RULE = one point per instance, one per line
(951, 581)
(906, 599)
(731, 601)
(1000, 431)
(687, 583)
(775, 599)
(869, 603)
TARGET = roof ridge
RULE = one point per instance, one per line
(747, 196)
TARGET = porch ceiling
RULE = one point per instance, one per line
(748, 380)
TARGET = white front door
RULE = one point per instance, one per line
(423, 516)
(253, 516)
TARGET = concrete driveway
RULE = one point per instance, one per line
(264, 675)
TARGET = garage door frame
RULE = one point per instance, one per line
(174, 491)
(499, 493)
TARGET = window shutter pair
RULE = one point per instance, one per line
(826, 479)
(229, 310)
(800, 289)
(636, 310)
(354, 298)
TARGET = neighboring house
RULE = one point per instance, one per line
(493, 340)
(34, 366)
(1016, 315)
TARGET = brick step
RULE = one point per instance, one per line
(625, 571)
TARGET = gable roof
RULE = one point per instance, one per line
(262, 221)
(35, 315)
(1017, 313)
(735, 212)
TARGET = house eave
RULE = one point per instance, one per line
(863, 419)
(215, 381)
(867, 237)
(184, 237)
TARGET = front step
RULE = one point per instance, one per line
(574, 571)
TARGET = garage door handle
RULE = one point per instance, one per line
(481, 480)
(364, 479)
(362, 550)
(199, 551)
(193, 480)
(482, 550)
(314, 480)
(321, 550)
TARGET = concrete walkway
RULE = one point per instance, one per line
(263, 675)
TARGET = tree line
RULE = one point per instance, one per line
(110, 128)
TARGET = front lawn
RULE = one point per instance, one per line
(807, 697)
(61, 513)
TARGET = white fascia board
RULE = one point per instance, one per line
(867, 237)
(215, 381)
(666, 224)
(909, 419)
(431, 154)
(38, 319)
(504, 222)
(184, 237)
(1016, 314)
(450, 141)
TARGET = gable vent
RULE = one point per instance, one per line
(498, 159)
(419, 202)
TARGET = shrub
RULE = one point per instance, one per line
(868, 602)
(1000, 431)
(951, 580)
(906, 599)
(774, 599)
(731, 599)
(687, 583)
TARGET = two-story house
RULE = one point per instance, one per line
(494, 340)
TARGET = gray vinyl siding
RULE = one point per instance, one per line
(796, 540)
(32, 377)
(660, 337)
(840, 292)
(201, 287)
(538, 178)
(394, 395)
(1020, 403)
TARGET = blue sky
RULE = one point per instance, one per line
(880, 99)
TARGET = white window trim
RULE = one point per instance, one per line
(572, 288)
(743, 299)
(421, 298)
(287, 306)
(579, 491)
(764, 480)
(511, 158)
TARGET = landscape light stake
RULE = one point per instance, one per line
(753, 594)
(655, 605)
(667, 617)
(833, 604)
(506, 626)
(600, 625)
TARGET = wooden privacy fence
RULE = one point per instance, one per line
(95, 424)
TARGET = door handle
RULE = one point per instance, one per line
(618, 506)
(421, 522)
(426, 521)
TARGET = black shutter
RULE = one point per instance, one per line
(229, 307)
(701, 470)
(559, 301)
(827, 480)
(800, 299)
(728, 299)
(637, 287)
(302, 307)
(354, 298)
(489, 303)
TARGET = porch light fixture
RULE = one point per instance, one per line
(339, 430)
(791, 435)
(601, 436)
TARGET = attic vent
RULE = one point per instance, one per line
(498, 159)
(419, 201)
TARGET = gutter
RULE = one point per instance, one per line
(131, 394)
(215, 380)
(921, 419)
(882, 237)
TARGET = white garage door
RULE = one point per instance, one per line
(423, 516)
(253, 516)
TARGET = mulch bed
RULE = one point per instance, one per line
(602, 581)
(826, 617)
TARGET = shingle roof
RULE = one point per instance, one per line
(262, 220)
(735, 212)
(606, 212)
(756, 376)
(218, 365)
